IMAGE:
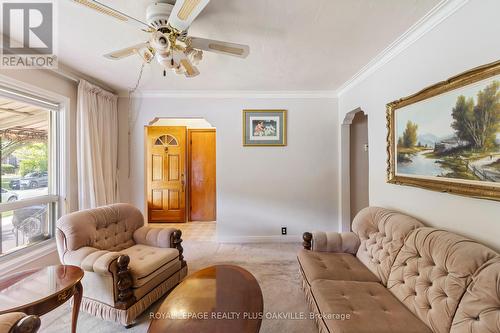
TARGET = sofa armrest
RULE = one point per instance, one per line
(345, 242)
(91, 259)
(161, 237)
(18, 322)
(106, 263)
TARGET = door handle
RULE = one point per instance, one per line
(183, 183)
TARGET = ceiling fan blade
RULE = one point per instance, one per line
(103, 9)
(185, 12)
(123, 53)
(232, 49)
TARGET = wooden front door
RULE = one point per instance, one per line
(202, 186)
(165, 172)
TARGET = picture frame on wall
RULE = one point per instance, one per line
(447, 137)
(264, 127)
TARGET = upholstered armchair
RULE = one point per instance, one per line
(18, 322)
(127, 265)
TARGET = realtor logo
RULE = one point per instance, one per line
(28, 35)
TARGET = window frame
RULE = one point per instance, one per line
(55, 200)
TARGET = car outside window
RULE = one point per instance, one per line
(29, 190)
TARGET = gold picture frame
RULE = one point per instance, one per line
(273, 128)
(434, 96)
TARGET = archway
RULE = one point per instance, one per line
(354, 166)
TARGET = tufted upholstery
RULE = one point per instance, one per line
(94, 240)
(432, 271)
(479, 309)
(105, 228)
(429, 280)
(382, 233)
(369, 305)
(157, 237)
(333, 266)
(146, 262)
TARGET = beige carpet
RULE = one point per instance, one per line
(274, 266)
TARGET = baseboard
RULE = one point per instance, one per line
(260, 239)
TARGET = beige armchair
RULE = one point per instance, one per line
(18, 322)
(127, 266)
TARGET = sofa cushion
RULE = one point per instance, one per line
(432, 271)
(333, 266)
(479, 309)
(154, 280)
(359, 307)
(146, 262)
(382, 233)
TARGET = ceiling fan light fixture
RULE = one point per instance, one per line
(165, 60)
(160, 41)
(196, 56)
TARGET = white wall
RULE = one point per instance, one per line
(466, 39)
(259, 189)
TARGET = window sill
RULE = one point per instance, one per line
(12, 261)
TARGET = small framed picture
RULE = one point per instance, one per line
(264, 127)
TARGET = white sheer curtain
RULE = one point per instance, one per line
(97, 146)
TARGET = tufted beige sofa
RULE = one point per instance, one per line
(393, 274)
(127, 265)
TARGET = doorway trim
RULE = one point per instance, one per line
(345, 170)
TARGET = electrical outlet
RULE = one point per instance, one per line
(283, 230)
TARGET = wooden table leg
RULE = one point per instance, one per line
(77, 300)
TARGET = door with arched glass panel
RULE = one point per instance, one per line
(165, 173)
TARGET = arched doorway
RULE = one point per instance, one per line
(180, 173)
(354, 166)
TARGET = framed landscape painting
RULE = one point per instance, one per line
(264, 127)
(447, 137)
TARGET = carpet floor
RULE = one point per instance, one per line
(274, 265)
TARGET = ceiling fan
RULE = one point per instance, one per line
(168, 22)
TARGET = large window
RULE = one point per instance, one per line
(29, 150)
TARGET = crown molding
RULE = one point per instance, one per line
(438, 14)
(233, 94)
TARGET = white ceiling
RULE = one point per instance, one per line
(296, 45)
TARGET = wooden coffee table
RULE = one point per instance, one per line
(38, 291)
(219, 299)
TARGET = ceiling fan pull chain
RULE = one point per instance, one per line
(164, 73)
